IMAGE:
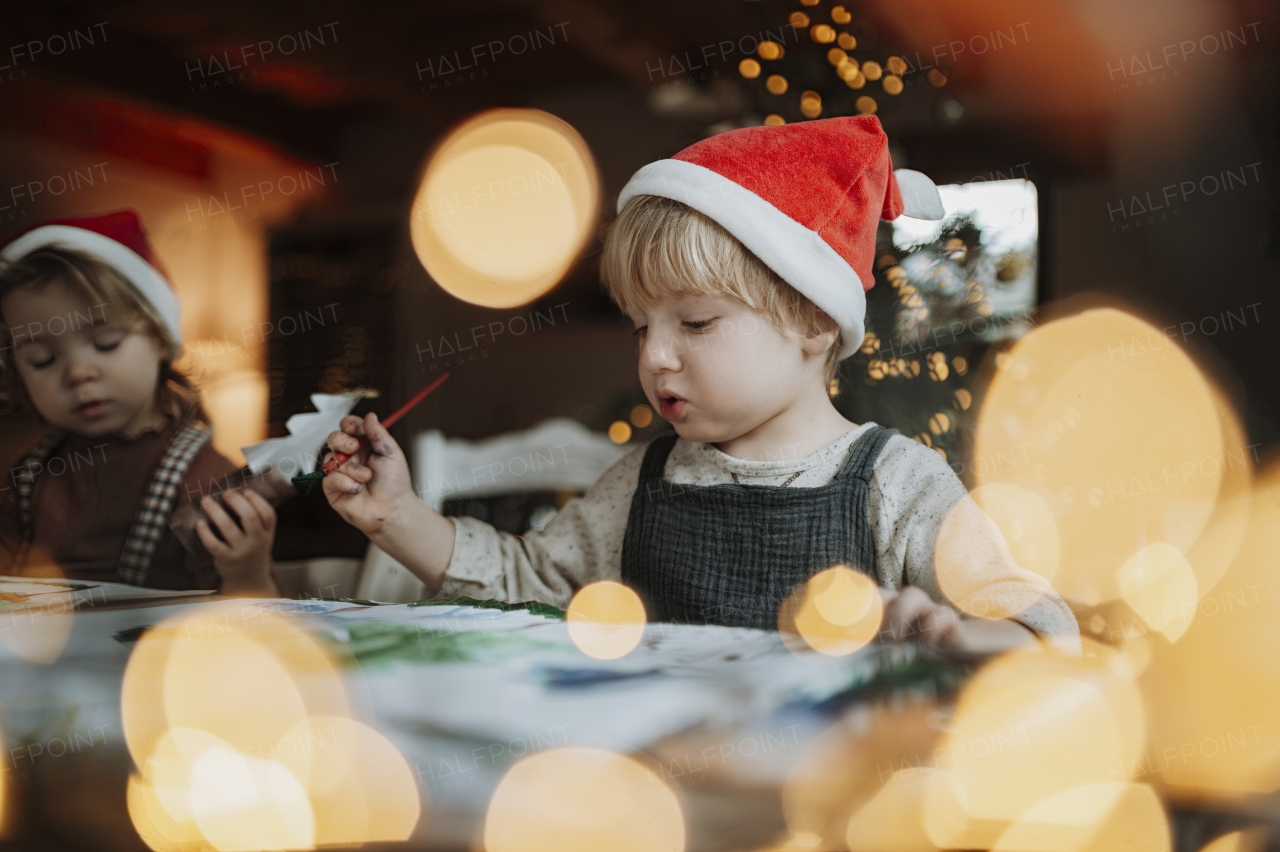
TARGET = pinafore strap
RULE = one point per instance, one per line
(32, 463)
(150, 523)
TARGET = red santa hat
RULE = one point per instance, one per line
(804, 198)
(116, 239)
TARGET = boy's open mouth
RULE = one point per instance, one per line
(671, 407)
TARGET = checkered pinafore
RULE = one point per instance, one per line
(153, 511)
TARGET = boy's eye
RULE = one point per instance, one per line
(639, 332)
(695, 325)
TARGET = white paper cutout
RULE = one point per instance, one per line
(296, 453)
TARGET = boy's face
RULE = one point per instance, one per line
(86, 370)
(716, 369)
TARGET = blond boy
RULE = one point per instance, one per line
(743, 262)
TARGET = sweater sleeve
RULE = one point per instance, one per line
(581, 544)
(930, 534)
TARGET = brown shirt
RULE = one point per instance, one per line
(84, 504)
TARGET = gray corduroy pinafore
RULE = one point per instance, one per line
(729, 554)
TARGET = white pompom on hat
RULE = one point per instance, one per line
(805, 198)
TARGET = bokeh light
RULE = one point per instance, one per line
(822, 33)
(896, 818)
(1158, 583)
(1253, 840)
(776, 84)
(641, 416)
(837, 612)
(811, 104)
(242, 803)
(829, 789)
(1092, 818)
(239, 725)
(987, 521)
(606, 620)
(506, 204)
(582, 800)
(770, 50)
(1036, 723)
(749, 68)
(619, 431)
(1123, 444)
(39, 633)
(1217, 687)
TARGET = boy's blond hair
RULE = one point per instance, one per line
(659, 248)
(101, 284)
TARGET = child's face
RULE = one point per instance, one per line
(717, 370)
(86, 371)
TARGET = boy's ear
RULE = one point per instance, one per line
(817, 343)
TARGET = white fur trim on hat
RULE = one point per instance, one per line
(920, 196)
(153, 286)
(798, 255)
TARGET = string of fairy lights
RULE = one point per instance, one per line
(854, 73)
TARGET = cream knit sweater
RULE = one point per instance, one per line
(912, 492)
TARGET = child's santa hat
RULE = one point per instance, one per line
(116, 239)
(804, 198)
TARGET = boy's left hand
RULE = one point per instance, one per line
(243, 555)
(912, 614)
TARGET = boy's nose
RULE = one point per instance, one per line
(658, 354)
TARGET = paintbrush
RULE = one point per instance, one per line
(307, 481)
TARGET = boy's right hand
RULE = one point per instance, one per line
(373, 486)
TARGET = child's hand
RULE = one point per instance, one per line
(243, 556)
(912, 614)
(374, 484)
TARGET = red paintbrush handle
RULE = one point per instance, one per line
(340, 458)
(337, 460)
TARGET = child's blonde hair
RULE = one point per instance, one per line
(101, 284)
(660, 248)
